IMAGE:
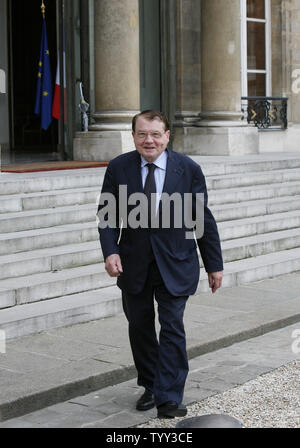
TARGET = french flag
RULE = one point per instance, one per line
(56, 99)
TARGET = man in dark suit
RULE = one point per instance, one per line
(155, 260)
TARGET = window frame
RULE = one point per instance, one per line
(244, 56)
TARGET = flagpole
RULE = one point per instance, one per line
(44, 92)
(43, 8)
(63, 154)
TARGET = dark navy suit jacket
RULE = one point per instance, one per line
(176, 256)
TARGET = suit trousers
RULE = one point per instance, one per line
(162, 365)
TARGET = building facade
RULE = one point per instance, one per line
(226, 73)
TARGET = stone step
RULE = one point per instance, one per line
(257, 268)
(22, 241)
(60, 312)
(62, 198)
(254, 246)
(21, 183)
(55, 236)
(37, 219)
(49, 285)
(257, 225)
(12, 183)
(255, 178)
(98, 303)
(89, 253)
(50, 259)
(48, 201)
(259, 207)
(45, 200)
(84, 196)
(84, 254)
(249, 188)
(223, 165)
(253, 192)
(50, 181)
(263, 267)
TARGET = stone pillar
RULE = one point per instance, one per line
(221, 60)
(285, 73)
(220, 130)
(223, 132)
(117, 81)
(188, 71)
(188, 38)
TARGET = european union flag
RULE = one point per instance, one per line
(44, 91)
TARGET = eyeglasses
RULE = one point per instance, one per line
(153, 135)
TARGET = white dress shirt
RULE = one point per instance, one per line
(159, 173)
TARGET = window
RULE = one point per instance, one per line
(256, 47)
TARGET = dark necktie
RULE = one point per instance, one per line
(150, 187)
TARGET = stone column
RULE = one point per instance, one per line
(286, 71)
(117, 81)
(221, 60)
(220, 130)
(223, 132)
(188, 70)
(188, 61)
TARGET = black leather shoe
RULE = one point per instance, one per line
(171, 409)
(146, 401)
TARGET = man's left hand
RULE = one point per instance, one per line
(215, 280)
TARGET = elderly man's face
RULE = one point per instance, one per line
(150, 138)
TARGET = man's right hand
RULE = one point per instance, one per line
(113, 265)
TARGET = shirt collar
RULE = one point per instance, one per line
(160, 162)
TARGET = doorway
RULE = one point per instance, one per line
(30, 143)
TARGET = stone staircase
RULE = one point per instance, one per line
(51, 266)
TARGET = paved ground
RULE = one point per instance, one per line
(82, 376)
(210, 374)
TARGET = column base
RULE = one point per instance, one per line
(113, 120)
(102, 146)
(216, 141)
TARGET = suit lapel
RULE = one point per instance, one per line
(133, 174)
(173, 174)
